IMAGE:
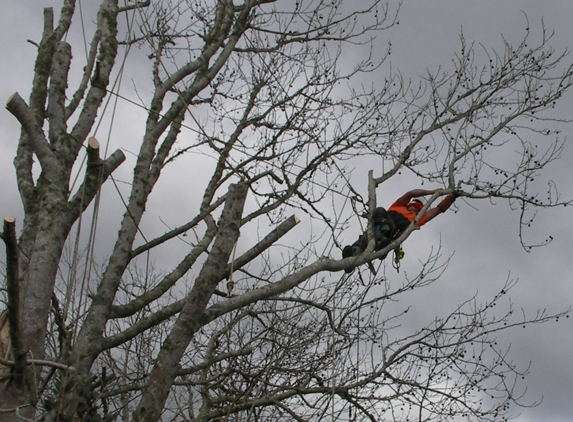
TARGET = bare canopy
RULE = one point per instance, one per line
(261, 109)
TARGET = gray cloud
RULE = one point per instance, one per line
(485, 241)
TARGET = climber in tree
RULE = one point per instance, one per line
(388, 225)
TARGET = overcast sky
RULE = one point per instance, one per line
(485, 241)
(482, 236)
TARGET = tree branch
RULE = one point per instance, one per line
(19, 109)
(56, 110)
(88, 69)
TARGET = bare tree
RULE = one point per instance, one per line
(265, 106)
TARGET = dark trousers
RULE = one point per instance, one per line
(384, 232)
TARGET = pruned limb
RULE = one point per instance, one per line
(93, 151)
(19, 109)
(97, 172)
(13, 288)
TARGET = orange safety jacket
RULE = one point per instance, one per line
(402, 217)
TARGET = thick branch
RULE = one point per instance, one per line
(88, 69)
(93, 152)
(57, 92)
(292, 280)
(107, 27)
(19, 109)
(42, 67)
